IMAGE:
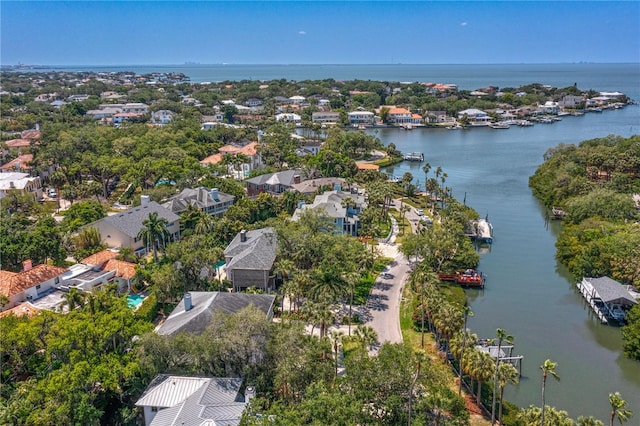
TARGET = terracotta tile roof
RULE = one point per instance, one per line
(25, 309)
(99, 258)
(212, 159)
(31, 134)
(14, 284)
(18, 143)
(367, 166)
(123, 269)
(396, 110)
(248, 150)
(21, 161)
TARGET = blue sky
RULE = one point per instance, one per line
(318, 32)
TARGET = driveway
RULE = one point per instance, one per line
(383, 304)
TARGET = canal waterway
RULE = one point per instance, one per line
(528, 293)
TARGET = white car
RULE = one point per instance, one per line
(419, 212)
(52, 193)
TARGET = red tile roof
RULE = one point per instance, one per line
(11, 285)
(99, 258)
(31, 134)
(21, 161)
(123, 269)
(25, 309)
(18, 143)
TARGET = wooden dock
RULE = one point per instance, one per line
(588, 292)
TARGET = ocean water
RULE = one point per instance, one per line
(601, 77)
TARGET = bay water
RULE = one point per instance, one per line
(528, 293)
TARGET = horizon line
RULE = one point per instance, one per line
(188, 64)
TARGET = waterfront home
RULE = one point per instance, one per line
(20, 182)
(476, 117)
(249, 259)
(196, 309)
(122, 229)
(209, 201)
(31, 284)
(325, 117)
(297, 99)
(550, 107)
(194, 401)
(366, 118)
(273, 183)
(403, 116)
(341, 207)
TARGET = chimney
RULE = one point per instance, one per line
(187, 302)
(243, 236)
(249, 394)
(144, 200)
(214, 194)
(27, 265)
(296, 179)
(12, 185)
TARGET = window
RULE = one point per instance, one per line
(38, 287)
(154, 409)
(57, 280)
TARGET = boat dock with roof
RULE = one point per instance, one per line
(608, 299)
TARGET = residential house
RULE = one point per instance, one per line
(476, 117)
(550, 107)
(122, 229)
(30, 284)
(21, 182)
(289, 117)
(297, 99)
(253, 102)
(210, 201)
(18, 145)
(18, 164)
(312, 186)
(124, 116)
(325, 117)
(361, 117)
(249, 259)
(120, 271)
(312, 146)
(77, 98)
(273, 183)
(571, 101)
(248, 150)
(136, 108)
(341, 207)
(161, 117)
(438, 117)
(194, 312)
(403, 116)
(194, 401)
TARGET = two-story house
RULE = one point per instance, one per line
(273, 183)
(31, 284)
(249, 259)
(210, 201)
(341, 207)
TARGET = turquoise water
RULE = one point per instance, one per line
(134, 300)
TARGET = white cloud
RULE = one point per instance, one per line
(302, 32)
(463, 24)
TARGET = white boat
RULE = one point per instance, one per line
(499, 125)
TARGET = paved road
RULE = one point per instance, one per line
(383, 304)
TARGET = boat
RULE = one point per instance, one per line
(499, 125)
(484, 231)
(413, 156)
(466, 278)
(558, 213)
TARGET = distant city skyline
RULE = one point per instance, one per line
(318, 32)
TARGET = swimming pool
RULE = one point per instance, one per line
(134, 300)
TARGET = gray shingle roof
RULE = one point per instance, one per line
(280, 178)
(258, 252)
(611, 291)
(130, 221)
(204, 306)
(198, 197)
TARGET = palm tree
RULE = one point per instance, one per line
(366, 336)
(153, 230)
(502, 337)
(75, 298)
(618, 408)
(481, 369)
(466, 312)
(336, 339)
(548, 368)
(420, 358)
(507, 373)
(426, 168)
(204, 225)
